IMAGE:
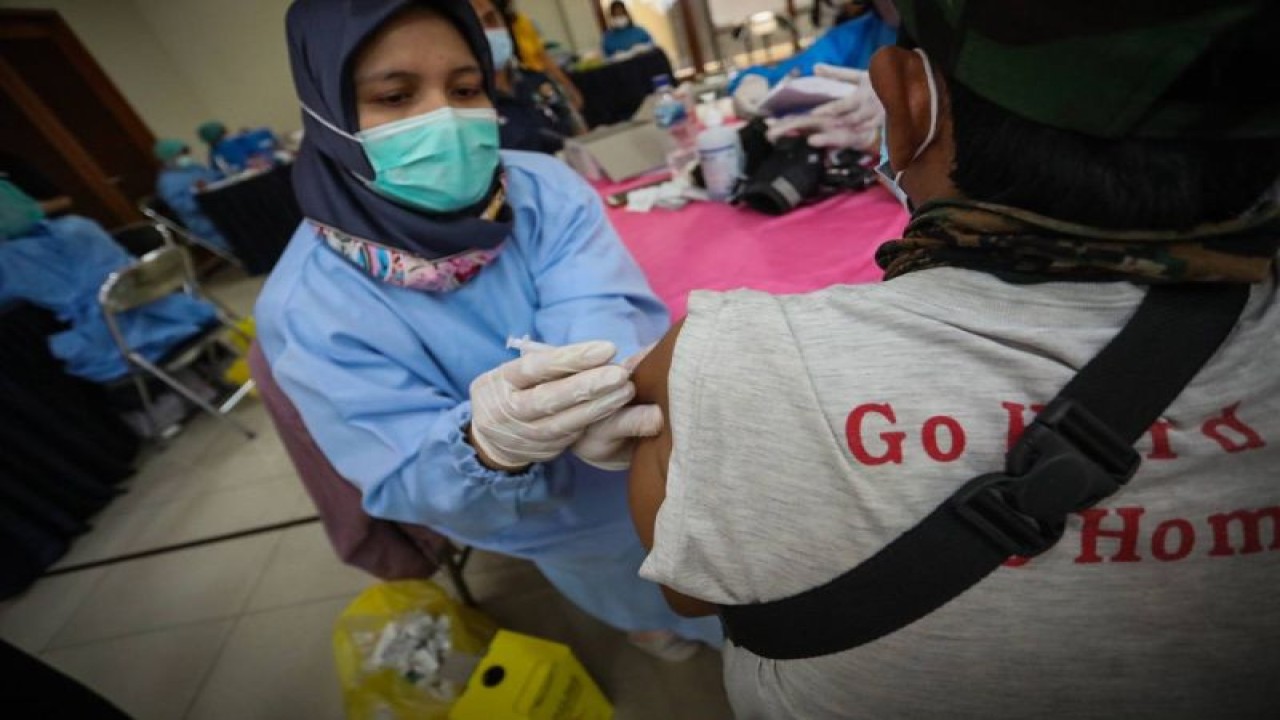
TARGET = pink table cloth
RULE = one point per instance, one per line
(710, 246)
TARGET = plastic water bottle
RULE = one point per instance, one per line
(672, 116)
(719, 153)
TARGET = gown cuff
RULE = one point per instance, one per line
(468, 464)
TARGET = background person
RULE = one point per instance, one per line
(623, 33)
(212, 133)
(533, 55)
(533, 115)
(181, 177)
(850, 44)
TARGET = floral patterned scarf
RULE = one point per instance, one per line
(402, 268)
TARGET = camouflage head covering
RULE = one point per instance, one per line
(1022, 245)
(1119, 68)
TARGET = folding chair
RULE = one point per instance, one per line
(140, 238)
(157, 275)
(163, 215)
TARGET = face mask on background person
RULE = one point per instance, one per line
(893, 181)
(185, 161)
(500, 46)
(442, 161)
(620, 22)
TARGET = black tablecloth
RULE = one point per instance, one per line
(614, 92)
(61, 449)
(256, 215)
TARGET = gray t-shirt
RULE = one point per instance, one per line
(811, 430)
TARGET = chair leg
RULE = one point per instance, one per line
(455, 561)
(148, 409)
(240, 394)
(189, 395)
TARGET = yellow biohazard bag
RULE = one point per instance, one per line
(406, 649)
(237, 373)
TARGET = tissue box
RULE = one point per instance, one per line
(617, 152)
(524, 678)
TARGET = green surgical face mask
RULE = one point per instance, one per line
(442, 161)
(19, 212)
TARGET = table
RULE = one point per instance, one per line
(257, 214)
(62, 449)
(710, 246)
(614, 92)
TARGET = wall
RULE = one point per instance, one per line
(122, 41)
(181, 62)
(234, 54)
(568, 22)
(581, 24)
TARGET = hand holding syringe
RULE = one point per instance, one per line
(607, 443)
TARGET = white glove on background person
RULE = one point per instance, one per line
(608, 444)
(748, 96)
(533, 408)
(850, 122)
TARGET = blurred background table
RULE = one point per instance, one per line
(256, 213)
(711, 246)
(615, 91)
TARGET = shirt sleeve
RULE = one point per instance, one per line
(390, 431)
(746, 436)
(589, 287)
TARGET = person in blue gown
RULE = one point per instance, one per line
(861, 30)
(181, 177)
(212, 133)
(425, 249)
(623, 33)
(59, 264)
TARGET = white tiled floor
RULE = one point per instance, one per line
(243, 629)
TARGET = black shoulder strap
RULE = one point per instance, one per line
(1078, 452)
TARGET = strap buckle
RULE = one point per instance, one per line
(1066, 461)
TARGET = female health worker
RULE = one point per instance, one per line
(424, 250)
(623, 33)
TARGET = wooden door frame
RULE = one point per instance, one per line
(65, 142)
(50, 24)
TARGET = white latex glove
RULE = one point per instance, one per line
(850, 122)
(608, 444)
(533, 408)
(749, 94)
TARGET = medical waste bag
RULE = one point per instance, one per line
(406, 649)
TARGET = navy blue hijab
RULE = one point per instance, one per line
(324, 37)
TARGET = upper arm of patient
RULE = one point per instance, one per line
(648, 481)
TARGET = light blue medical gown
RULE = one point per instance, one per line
(849, 44)
(60, 265)
(381, 377)
(176, 186)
